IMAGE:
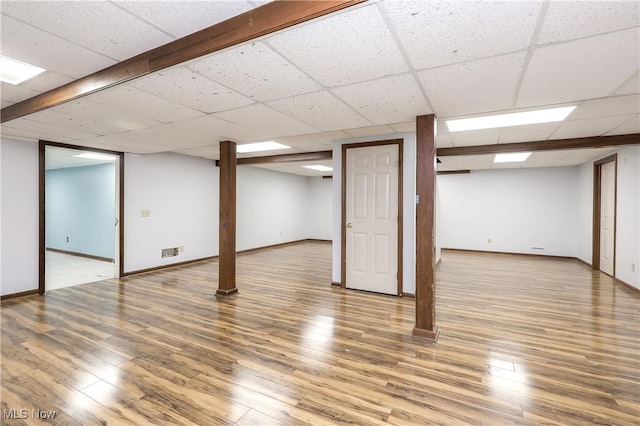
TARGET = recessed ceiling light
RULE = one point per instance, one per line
(96, 156)
(515, 157)
(319, 168)
(15, 72)
(260, 146)
(507, 120)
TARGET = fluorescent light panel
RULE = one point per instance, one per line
(15, 72)
(260, 146)
(515, 157)
(319, 168)
(96, 156)
(509, 120)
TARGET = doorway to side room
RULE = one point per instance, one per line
(80, 232)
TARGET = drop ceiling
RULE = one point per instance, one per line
(368, 70)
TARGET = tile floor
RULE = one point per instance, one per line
(63, 270)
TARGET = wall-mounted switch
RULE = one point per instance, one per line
(145, 213)
(633, 267)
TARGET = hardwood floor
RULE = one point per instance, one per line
(524, 340)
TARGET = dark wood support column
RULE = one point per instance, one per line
(425, 233)
(227, 246)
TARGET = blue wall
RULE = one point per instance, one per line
(80, 205)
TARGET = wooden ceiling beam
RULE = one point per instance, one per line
(266, 19)
(285, 158)
(555, 145)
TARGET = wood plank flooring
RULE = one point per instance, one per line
(524, 340)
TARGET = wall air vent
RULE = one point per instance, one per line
(170, 252)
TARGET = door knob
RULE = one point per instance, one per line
(349, 225)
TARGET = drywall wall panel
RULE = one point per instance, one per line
(81, 209)
(319, 208)
(627, 213)
(514, 210)
(19, 222)
(272, 207)
(171, 200)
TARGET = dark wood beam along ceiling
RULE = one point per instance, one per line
(263, 20)
(546, 145)
(285, 158)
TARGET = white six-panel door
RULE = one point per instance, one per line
(372, 218)
(607, 216)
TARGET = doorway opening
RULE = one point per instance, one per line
(81, 209)
(605, 173)
(371, 228)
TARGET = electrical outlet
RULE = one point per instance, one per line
(181, 249)
(489, 240)
(633, 267)
(145, 213)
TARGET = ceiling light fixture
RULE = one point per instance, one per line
(260, 146)
(16, 72)
(319, 168)
(516, 157)
(507, 120)
(96, 156)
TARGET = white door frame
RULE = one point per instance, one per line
(597, 201)
(343, 224)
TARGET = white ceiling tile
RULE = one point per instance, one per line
(528, 133)
(583, 69)
(407, 126)
(329, 137)
(628, 127)
(256, 71)
(47, 81)
(479, 86)
(181, 18)
(342, 49)
(390, 99)
(29, 134)
(465, 162)
(191, 136)
(588, 127)
(50, 132)
(99, 26)
(369, 131)
(221, 130)
(444, 140)
(55, 118)
(321, 110)
(476, 137)
(265, 119)
(161, 141)
(12, 93)
(130, 99)
(6, 103)
(186, 87)
(211, 151)
(445, 32)
(631, 86)
(546, 157)
(34, 46)
(117, 119)
(619, 105)
(568, 20)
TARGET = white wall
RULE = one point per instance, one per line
(627, 213)
(19, 220)
(409, 207)
(319, 208)
(181, 194)
(271, 209)
(516, 208)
